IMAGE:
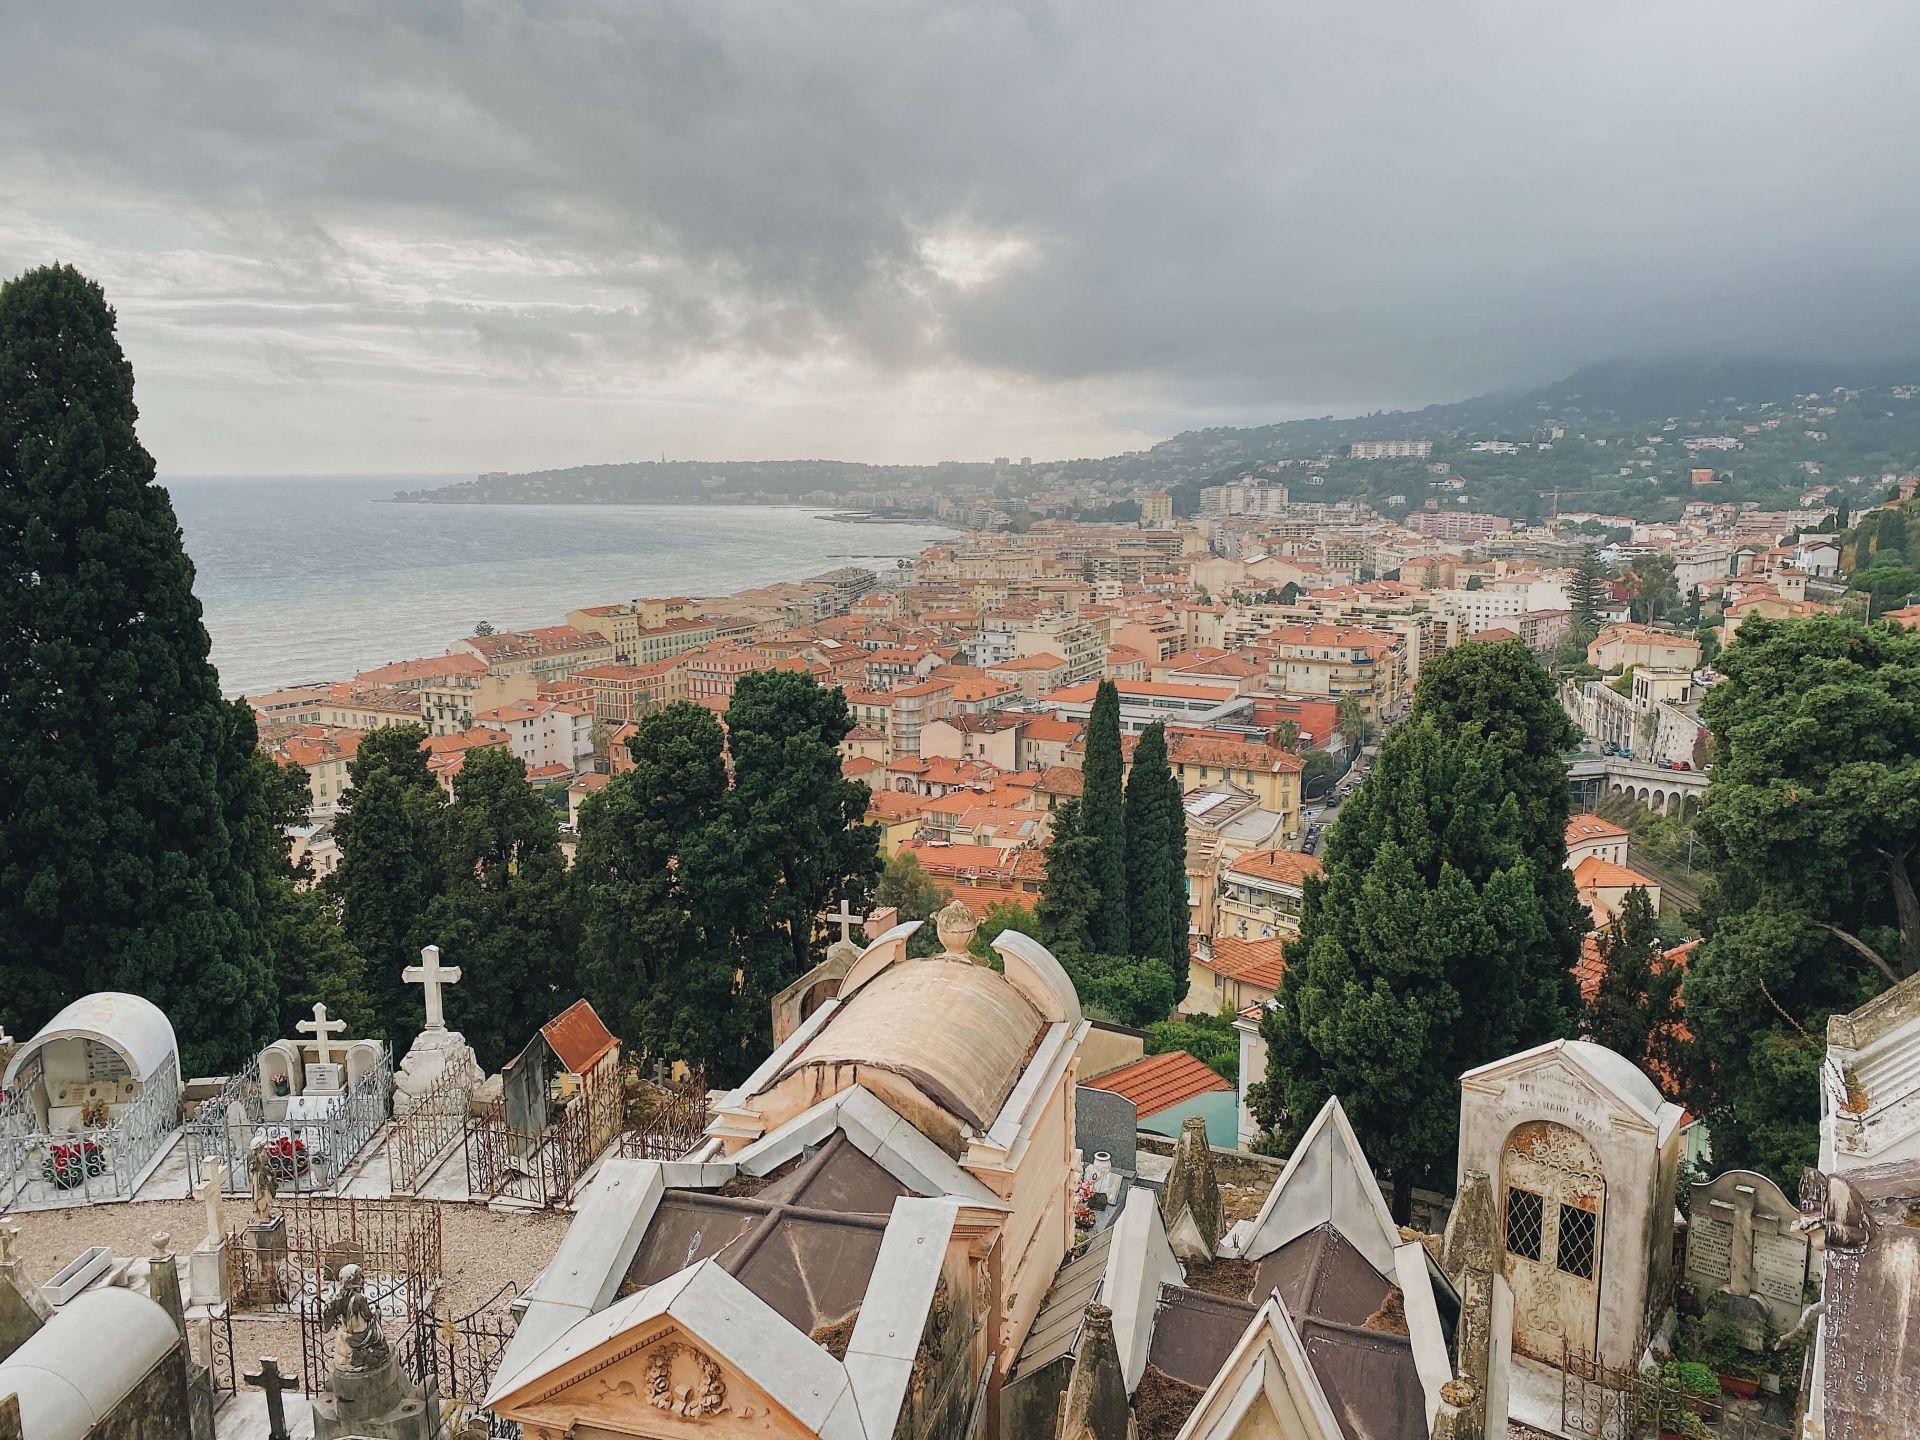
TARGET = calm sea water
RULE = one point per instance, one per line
(313, 578)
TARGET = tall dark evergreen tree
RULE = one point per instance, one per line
(1425, 948)
(1586, 592)
(389, 829)
(1104, 814)
(312, 959)
(1068, 897)
(1156, 859)
(505, 913)
(1502, 693)
(1634, 1006)
(652, 974)
(122, 771)
(801, 822)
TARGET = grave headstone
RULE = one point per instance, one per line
(437, 1052)
(1741, 1242)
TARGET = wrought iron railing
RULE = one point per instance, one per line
(96, 1162)
(305, 1156)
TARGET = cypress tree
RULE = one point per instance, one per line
(644, 962)
(1065, 908)
(389, 833)
(1425, 948)
(505, 911)
(1156, 859)
(1635, 1005)
(122, 771)
(1502, 694)
(1104, 814)
(1585, 589)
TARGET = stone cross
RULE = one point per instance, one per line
(321, 1028)
(210, 1188)
(5, 1039)
(846, 919)
(430, 975)
(9, 1237)
(269, 1379)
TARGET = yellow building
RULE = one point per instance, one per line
(1260, 894)
(1270, 774)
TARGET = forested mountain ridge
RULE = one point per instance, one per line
(1621, 446)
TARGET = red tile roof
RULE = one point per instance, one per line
(1582, 829)
(1253, 962)
(1160, 1082)
(1284, 867)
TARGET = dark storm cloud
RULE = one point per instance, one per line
(1223, 209)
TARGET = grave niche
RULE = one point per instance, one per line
(1741, 1243)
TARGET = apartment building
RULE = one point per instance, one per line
(1271, 775)
(1390, 449)
(711, 674)
(627, 692)
(545, 654)
(1337, 661)
(1142, 702)
(1261, 893)
(545, 735)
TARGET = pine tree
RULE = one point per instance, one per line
(1068, 897)
(644, 963)
(1103, 812)
(1634, 1007)
(1425, 948)
(505, 911)
(122, 771)
(1585, 592)
(389, 829)
(802, 823)
(1156, 859)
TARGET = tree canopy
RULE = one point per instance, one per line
(644, 961)
(128, 791)
(1104, 818)
(1156, 828)
(1810, 823)
(1436, 938)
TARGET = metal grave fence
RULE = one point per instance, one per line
(97, 1162)
(306, 1155)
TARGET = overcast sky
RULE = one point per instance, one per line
(453, 237)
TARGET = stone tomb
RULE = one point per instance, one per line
(1741, 1242)
(1582, 1153)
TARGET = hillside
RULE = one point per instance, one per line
(1621, 448)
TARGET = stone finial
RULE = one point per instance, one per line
(955, 925)
(1095, 1405)
(1190, 1200)
(1471, 1243)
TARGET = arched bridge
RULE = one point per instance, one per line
(1665, 792)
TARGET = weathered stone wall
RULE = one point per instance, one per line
(156, 1406)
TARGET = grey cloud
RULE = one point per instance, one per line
(1239, 209)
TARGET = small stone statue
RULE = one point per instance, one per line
(260, 1176)
(354, 1324)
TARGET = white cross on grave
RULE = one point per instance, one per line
(846, 919)
(430, 975)
(216, 1174)
(5, 1039)
(321, 1028)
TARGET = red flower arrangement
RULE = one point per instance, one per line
(288, 1157)
(70, 1165)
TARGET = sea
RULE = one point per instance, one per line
(306, 578)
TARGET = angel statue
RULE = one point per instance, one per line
(354, 1324)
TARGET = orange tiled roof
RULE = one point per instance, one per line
(1593, 873)
(1254, 962)
(1160, 1082)
(1187, 749)
(1284, 867)
(1586, 828)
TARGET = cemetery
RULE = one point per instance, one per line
(916, 1183)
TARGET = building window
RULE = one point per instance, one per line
(1526, 1216)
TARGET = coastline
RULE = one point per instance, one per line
(841, 517)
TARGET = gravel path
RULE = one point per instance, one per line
(481, 1249)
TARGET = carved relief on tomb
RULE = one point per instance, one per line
(1553, 1192)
